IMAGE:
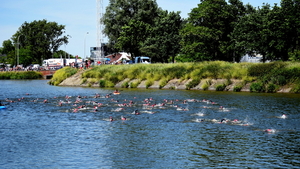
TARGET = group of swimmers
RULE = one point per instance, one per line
(147, 105)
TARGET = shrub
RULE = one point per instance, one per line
(256, 87)
(281, 80)
(220, 87)
(193, 83)
(109, 84)
(163, 82)
(93, 80)
(21, 75)
(83, 80)
(197, 73)
(237, 88)
(61, 75)
(172, 87)
(271, 88)
(125, 85)
(296, 88)
(134, 84)
(228, 82)
(102, 83)
(205, 86)
(149, 83)
(261, 69)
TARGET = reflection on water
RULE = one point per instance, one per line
(47, 127)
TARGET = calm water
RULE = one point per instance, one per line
(34, 134)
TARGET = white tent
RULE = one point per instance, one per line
(124, 56)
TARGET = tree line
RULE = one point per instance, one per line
(33, 42)
(214, 30)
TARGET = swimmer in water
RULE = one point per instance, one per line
(111, 119)
(123, 118)
(223, 121)
(270, 130)
(136, 112)
(283, 116)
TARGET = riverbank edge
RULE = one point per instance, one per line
(174, 84)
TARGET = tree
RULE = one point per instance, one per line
(8, 52)
(40, 39)
(132, 36)
(271, 32)
(276, 31)
(250, 32)
(125, 22)
(236, 10)
(290, 12)
(206, 31)
(163, 43)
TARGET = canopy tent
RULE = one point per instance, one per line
(124, 56)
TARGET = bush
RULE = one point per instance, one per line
(109, 84)
(125, 85)
(149, 83)
(192, 83)
(262, 69)
(61, 75)
(83, 80)
(237, 88)
(134, 84)
(220, 87)
(271, 88)
(296, 88)
(163, 82)
(205, 86)
(256, 87)
(281, 80)
(21, 75)
(102, 83)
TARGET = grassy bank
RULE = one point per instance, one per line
(264, 77)
(61, 75)
(21, 75)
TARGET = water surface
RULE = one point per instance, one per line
(34, 134)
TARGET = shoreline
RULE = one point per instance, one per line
(174, 84)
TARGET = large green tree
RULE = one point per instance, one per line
(126, 21)
(132, 37)
(276, 31)
(236, 10)
(272, 32)
(38, 40)
(163, 43)
(206, 32)
(7, 52)
(290, 12)
(250, 33)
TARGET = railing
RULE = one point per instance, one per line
(47, 74)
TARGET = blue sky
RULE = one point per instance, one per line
(79, 17)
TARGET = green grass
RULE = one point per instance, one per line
(20, 75)
(61, 75)
(267, 76)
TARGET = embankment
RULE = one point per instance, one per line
(20, 75)
(219, 76)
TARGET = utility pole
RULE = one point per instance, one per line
(100, 53)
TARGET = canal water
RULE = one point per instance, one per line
(47, 126)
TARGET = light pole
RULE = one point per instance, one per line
(18, 42)
(84, 44)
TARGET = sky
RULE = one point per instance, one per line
(78, 16)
